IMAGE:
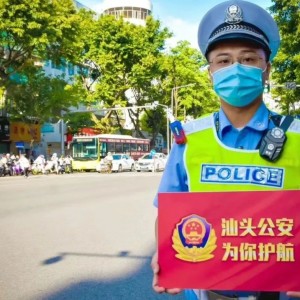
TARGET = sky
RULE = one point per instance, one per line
(182, 17)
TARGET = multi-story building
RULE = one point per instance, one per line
(134, 11)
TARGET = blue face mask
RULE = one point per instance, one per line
(238, 85)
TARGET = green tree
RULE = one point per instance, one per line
(154, 121)
(132, 69)
(32, 30)
(127, 60)
(186, 82)
(287, 62)
(41, 98)
(183, 85)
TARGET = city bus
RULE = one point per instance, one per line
(87, 151)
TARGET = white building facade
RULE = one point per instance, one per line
(133, 11)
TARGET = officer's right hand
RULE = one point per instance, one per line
(156, 287)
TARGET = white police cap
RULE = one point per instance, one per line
(238, 20)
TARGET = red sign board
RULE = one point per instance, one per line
(246, 241)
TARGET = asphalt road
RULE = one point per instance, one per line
(80, 236)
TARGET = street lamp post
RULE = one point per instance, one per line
(168, 133)
(62, 138)
(62, 133)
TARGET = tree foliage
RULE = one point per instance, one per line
(154, 122)
(37, 29)
(127, 57)
(183, 85)
(40, 98)
(121, 65)
(133, 69)
(187, 76)
(287, 62)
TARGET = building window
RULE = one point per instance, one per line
(71, 69)
(48, 63)
(139, 15)
(6, 129)
(61, 65)
(129, 12)
(83, 71)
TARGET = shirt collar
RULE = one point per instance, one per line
(259, 122)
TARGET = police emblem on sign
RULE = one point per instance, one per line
(194, 239)
(233, 14)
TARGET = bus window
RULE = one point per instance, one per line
(111, 147)
(146, 148)
(119, 148)
(126, 148)
(133, 147)
(103, 149)
(85, 149)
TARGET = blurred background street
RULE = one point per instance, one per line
(81, 236)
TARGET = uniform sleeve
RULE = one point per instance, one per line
(174, 178)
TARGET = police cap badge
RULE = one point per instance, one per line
(238, 20)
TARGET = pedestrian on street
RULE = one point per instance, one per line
(109, 161)
(25, 164)
(239, 40)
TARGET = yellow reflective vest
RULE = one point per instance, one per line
(212, 166)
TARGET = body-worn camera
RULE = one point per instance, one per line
(272, 144)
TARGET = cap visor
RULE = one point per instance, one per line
(243, 37)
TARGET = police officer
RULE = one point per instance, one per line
(239, 39)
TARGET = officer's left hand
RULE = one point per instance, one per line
(156, 287)
(293, 294)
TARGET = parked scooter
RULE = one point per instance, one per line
(50, 167)
(2, 169)
(37, 168)
(5, 170)
(17, 169)
(61, 168)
